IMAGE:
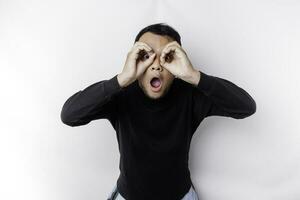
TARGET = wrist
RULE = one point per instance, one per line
(194, 77)
(123, 81)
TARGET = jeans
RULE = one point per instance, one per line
(115, 195)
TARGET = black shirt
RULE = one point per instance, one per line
(154, 135)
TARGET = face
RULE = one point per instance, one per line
(157, 43)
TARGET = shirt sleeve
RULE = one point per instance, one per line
(220, 97)
(97, 101)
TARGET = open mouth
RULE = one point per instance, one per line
(156, 84)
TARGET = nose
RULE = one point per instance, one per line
(156, 65)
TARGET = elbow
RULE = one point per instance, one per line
(67, 119)
(64, 117)
(64, 114)
(247, 111)
(68, 115)
(72, 123)
(71, 117)
(250, 109)
(250, 106)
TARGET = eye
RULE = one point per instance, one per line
(169, 57)
(143, 55)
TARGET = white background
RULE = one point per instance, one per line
(51, 49)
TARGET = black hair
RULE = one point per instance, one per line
(160, 29)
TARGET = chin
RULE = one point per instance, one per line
(153, 95)
(154, 92)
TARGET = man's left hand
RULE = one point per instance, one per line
(175, 60)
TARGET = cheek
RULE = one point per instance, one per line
(169, 79)
(168, 76)
(143, 79)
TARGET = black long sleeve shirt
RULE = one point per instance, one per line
(154, 135)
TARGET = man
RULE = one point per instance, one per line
(155, 105)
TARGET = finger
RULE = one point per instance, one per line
(173, 43)
(137, 51)
(150, 59)
(139, 48)
(176, 44)
(169, 48)
(178, 52)
(143, 44)
(145, 58)
(167, 67)
(167, 51)
(146, 64)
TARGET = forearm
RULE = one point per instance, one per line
(123, 80)
(228, 98)
(82, 106)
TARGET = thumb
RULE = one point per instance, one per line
(149, 61)
(143, 66)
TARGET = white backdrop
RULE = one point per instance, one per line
(51, 49)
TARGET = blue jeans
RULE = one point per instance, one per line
(190, 195)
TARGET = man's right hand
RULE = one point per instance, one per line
(139, 58)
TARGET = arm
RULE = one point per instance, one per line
(216, 96)
(96, 101)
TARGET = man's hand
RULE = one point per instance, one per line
(175, 60)
(139, 58)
